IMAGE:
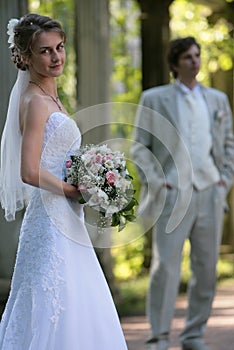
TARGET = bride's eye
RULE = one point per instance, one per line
(45, 51)
(61, 47)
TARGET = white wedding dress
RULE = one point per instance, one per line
(59, 297)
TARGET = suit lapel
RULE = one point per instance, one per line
(210, 104)
(170, 105)
(171, 109)
(211, 108)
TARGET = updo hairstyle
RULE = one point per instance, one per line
(26, 32)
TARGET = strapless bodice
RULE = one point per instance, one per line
(61, 137)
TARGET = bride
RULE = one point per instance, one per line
(59, 299)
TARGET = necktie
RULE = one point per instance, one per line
(190, 98)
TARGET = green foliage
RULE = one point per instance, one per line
(189, 18)
(133, 296)
(125, 32)
(128, 259)
(225, 268)
(185, 266)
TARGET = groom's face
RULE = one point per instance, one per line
(189, 62)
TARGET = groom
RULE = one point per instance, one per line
(195, 187)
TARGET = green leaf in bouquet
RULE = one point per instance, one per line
(130, 205)
(81, 199)
(130, 192)
(130, 217)
(73, 158)
(128, 177)
(122, 223)
(115, 219)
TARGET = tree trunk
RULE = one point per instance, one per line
(155, 38)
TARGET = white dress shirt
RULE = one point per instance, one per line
(194, 126)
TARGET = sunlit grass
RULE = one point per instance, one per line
(133, 290)
(133, 296)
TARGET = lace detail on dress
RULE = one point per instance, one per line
(61, 137)
(66, 136)
(39, 265)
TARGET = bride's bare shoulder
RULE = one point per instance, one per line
(33, 108)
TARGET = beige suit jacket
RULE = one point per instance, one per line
(158, 145)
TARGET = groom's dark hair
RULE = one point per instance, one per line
(176, 48)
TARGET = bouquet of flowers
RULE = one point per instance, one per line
(103, 180)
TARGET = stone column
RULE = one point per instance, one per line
(8, 231)
(93, 85)
(92, 42)
(93, 68)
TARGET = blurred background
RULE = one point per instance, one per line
(116, 49)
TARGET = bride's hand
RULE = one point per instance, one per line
(71, 191)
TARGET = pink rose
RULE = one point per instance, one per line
(110, 176)
(109, 157)
(98, 158)
(68, 163)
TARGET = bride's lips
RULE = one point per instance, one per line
(57, 66)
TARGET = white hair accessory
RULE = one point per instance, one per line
(10, 31)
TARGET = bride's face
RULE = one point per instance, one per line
(48, 55)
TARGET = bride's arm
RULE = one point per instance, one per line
(33, 122)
